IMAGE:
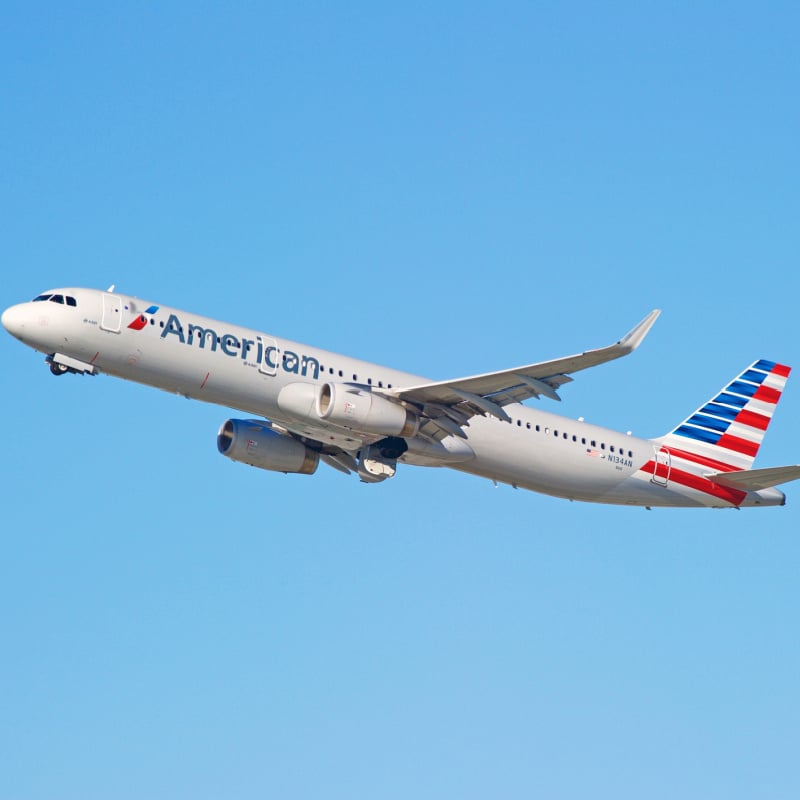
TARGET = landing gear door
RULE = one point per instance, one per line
(268, 363)
(112, 313)
(662, 464)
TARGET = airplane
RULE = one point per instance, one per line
(306, 405)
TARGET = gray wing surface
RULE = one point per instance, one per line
(450, 404)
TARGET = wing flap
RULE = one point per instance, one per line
(343, 462)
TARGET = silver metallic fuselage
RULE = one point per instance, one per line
(244, 369)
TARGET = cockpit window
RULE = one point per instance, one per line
(56, 298)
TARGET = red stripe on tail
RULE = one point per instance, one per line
(733, 496)
(767, 394)
(712, 463)
(782, 370)
(752, 419)
(738, 445)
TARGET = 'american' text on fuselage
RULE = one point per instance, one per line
(230, 345)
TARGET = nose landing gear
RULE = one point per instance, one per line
(61, 364)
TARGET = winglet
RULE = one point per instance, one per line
(631, 340)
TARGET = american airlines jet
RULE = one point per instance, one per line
(309, 405)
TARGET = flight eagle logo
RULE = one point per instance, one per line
(141, 321)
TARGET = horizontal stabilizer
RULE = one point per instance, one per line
(755, 479)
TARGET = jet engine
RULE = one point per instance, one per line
(253, 443)
(361, 410)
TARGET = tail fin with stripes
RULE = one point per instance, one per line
(727, 431)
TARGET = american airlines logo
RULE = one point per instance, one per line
(141, 320)
(254, 350)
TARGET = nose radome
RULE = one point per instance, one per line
(13, 320)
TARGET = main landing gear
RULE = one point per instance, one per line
(378, 461)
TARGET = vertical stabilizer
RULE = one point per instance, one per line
(727, 431)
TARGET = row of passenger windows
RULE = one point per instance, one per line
(332, 371)
(56, 298)
(583, 440)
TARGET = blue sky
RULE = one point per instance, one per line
(447, 190)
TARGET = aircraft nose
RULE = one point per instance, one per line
(13, 320)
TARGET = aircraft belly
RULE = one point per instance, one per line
(540, 462)
(451, 450)
(193, 372)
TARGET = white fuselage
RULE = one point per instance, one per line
(244, 369)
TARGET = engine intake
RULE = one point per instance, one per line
(251, 442)
(365, 412)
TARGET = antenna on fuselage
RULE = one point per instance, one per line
(110, 288)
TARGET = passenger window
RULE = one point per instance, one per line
(566, 436)
(583, 441)
(612, 448)
(603, 446)
(528, 425)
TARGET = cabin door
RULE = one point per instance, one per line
(268, 364)
(662, 464)
(112, 313)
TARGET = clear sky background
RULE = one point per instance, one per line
(447, 189)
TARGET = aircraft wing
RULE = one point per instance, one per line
(450, 404)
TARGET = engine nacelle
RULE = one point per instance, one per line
(365, 412)
(251, 442)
